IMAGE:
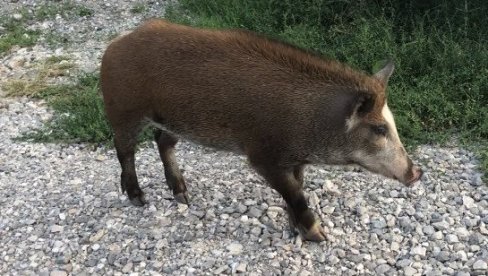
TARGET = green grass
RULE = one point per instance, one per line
(138, 8)
(53, 66)
(16, 32)
(64, 9)
(79, 114)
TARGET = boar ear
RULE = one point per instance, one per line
(384, 74)
(365, 103)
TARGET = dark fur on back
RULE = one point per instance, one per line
(237, 88)
(305, 61)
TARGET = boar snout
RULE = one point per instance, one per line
(415, 174)
(411, 174)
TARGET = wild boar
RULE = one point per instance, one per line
(281, 106)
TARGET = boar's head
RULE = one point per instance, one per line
(377, 146)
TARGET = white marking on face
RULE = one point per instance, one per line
(352, 122)
(386, 112)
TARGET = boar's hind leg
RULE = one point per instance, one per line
(125, 140)
(287, 181)
(166, 145)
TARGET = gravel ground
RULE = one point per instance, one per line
(61, 212)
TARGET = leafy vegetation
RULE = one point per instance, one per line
(64, 9)
(138, 8)
(16, 32)
(79, 114)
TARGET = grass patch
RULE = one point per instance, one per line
(16, 32)
(18, 36)
(56, 59)
(79, 114)
(138, 8)
(440, 87)
(65, 9)
(53, 66)
(55, 39)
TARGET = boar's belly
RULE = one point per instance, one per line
(214, 136)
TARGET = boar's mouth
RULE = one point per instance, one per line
(416, 177)
(408, 180)
(382, 172)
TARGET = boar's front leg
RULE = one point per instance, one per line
(298, 172)
(125, 140)
(288, 181)
(166, 145)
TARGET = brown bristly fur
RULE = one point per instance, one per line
(305, 61)
(289, 55)
(234, 90)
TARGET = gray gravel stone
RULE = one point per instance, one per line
(462, 233)
(379, 223)
(443, 256)
(56, 228)
(58, 273)
(441, 225)
(468, 202)
(382, 268)
(428, 230)
(333, 259)
(127, 267)
(438, 235)
(235, 248)
(435, 217)
(254, 212)
(476, 180)
(418, 250)
(409, 271)
(403, 263)
(241, 267)
(451, 238)
(480, 265)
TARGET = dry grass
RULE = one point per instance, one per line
(55, 66)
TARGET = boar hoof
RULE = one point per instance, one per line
(292, 225)
(182, 198)
(316, 233)
(138, 200)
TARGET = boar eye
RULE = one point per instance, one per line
(380, 130)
